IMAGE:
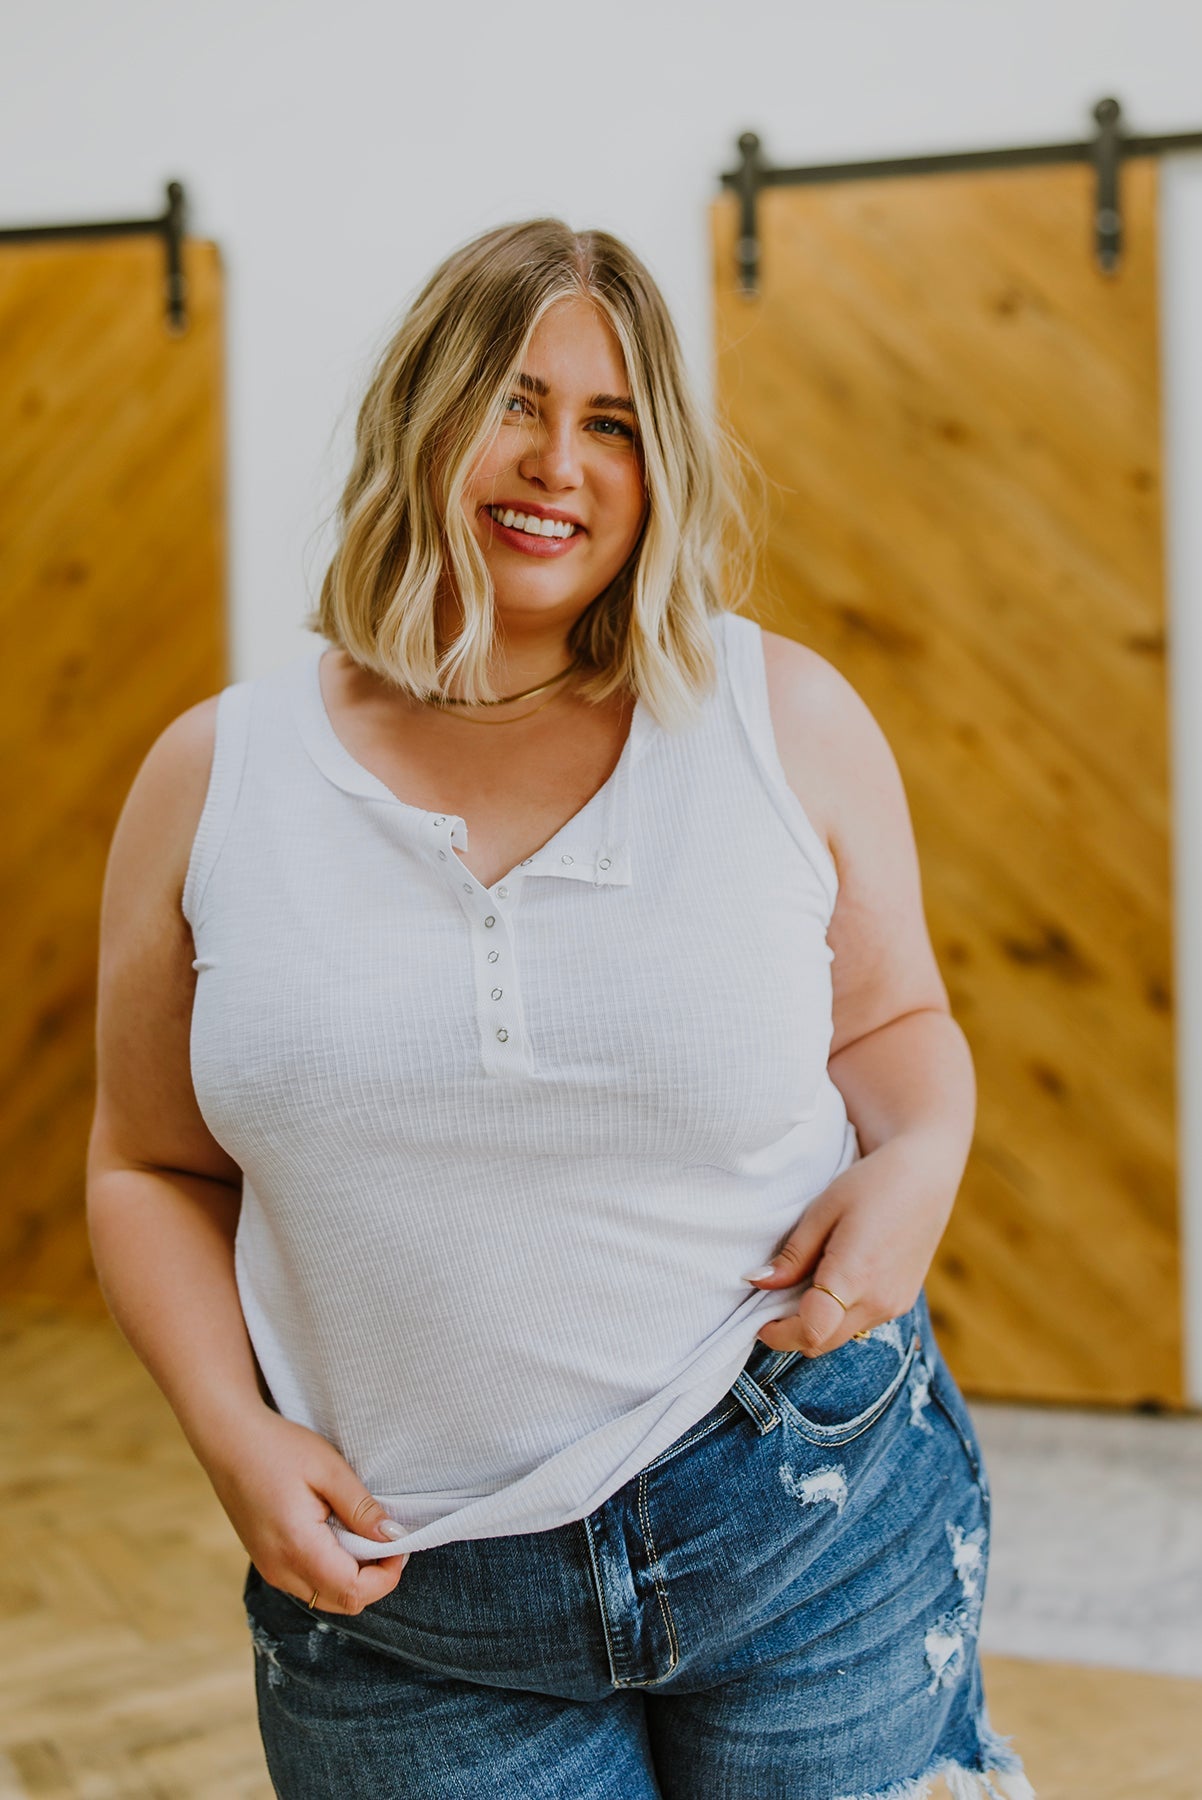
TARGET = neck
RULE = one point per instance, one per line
(522, 658)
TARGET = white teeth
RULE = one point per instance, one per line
(533, 526)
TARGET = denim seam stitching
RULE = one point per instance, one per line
(974, 1464)
(660, 1589)
(666, 1456)
(599, 1589)
(834, 1436)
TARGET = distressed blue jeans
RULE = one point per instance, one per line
(783, 1605)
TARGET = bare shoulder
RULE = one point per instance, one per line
(828, 741)
(162, 810)
(797, 672)
(186, 745)
(146, 1111)
(840, 764)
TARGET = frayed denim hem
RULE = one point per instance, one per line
(1002, 1778)
(962, 1784)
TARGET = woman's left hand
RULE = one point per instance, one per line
(870, 1237)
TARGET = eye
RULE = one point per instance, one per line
(516, 400)
(619, 425)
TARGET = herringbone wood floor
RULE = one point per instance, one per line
(126, 1671)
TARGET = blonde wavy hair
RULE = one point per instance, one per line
(433, 405)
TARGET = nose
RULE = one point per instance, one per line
(552, 456)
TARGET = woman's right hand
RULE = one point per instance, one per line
(278, 1482)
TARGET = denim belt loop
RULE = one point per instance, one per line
(752, 1398)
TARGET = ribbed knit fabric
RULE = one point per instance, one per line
(508, 1151)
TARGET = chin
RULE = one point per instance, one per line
(537, 597)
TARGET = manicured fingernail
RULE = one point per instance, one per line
(391, 1529)
(760, 1274)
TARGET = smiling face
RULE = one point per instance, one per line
(557, 499)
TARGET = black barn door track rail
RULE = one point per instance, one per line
(170, 226)
(1105, 151)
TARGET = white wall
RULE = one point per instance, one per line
(336, 152)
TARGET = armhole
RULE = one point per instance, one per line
(749, 685)
(225, 779)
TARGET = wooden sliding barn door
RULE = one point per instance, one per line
(112, 590)
(960, 417)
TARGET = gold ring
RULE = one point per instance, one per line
(862, 1334)
(831, 1292)
(313, 1602)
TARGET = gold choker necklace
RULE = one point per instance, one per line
(442, 700)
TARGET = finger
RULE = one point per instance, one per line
(800, 1251)
(308, 1560)
(354, 1506)
(822, 1323)
(811, 1329)
(343, 1593)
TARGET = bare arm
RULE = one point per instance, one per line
(163, 1200)
(899, 1059)
(162, 1196)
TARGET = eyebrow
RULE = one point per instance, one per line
(615, 402)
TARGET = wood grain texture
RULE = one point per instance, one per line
(112, 553)
(959, 417)
(126, 1668)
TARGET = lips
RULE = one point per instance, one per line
(532, 509)
(550, 542)
(532, 524)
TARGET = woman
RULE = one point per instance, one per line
(451, 1088)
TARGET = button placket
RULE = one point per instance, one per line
(503, 1044)
(603, 861)
(604, 865)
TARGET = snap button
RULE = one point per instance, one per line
(502, 893)
(565, 859)
(525, 862)
(490, 920)
(467, 887)
(493, 955)
(604, 864)
(503, 1035)
(442, 856)
(496, 993)
(441, 819)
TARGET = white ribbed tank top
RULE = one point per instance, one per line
(507, 1151)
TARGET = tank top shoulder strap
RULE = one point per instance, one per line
(743, 639)
(225, 779)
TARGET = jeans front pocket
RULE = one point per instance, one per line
(830, 1399)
